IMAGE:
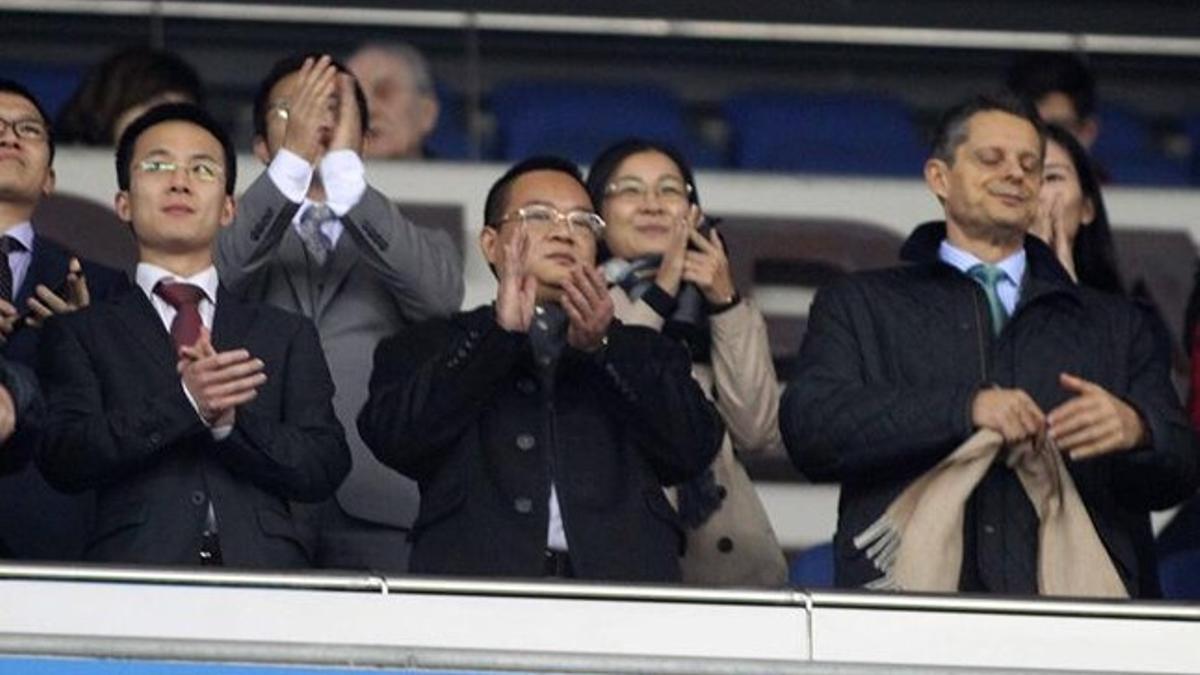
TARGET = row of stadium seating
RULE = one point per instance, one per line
(823, 133)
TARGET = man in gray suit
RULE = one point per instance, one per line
(312, 237)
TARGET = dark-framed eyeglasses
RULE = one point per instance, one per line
(26, 129)
(543, 218)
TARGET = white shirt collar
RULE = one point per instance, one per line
(23, 233)
(1013, 266)
(148, 275)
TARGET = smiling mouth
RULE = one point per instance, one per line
(179, 209)
(562, 258)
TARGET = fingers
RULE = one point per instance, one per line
(39, 311)
(49, 301)
(1073, 415)
(702, 243)
(77, 288)
(234, 387)
(1075, 384)
(233, 401)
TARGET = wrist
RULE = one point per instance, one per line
(722, 303)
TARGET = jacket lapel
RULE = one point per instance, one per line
(231, 320)
(296, 269)
(47, 265)
(138, 315)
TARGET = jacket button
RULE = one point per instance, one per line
(155, 438)
(523, 504)
(526, 386)
(724, 544)
(198, 497)
(989, 529)
(526, 441)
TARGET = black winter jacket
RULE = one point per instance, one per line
(458, 405)
(892, 360)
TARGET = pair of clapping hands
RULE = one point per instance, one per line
(584, 296)
(45, 303)
(319, 88)
(1092, 423)
(219, 381)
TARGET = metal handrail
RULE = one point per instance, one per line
(894, 36)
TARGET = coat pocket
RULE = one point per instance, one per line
(113, 519)
(275, 523)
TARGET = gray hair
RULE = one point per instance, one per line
(418, 65)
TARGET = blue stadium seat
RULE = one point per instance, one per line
(450, 138)
(52, 85)
(578, 120)
(813, 567)
(823, 133)
(1191, 127)
(1179, 574)
(1125, 148)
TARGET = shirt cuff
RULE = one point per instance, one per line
(291, 175)
(344, 178)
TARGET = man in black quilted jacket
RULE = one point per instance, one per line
(982, 328)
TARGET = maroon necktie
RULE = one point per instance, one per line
(185, 298)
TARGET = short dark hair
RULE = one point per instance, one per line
(13, 87)
(126, 78)
(1093, 251)
(497, 197)
(174, 112)
(1034, 75)
(951, 130)
(288, 65)
(609, 159)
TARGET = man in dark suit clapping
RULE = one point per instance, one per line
(38, 278)
(195, 416)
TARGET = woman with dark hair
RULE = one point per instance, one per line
(1072, 218)
(669, 271)
(119, 89)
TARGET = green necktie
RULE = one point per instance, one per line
(989, 277)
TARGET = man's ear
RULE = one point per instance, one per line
(121, 206)
(427, 115)
(48, 184)
(937, 177)
(228, 211)
(489, 244)
(1087, 131)
(261, 151)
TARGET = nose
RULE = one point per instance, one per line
(180, 180)
(8, 133)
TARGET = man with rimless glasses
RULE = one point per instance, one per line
(38, 278)
(539, 429)
(195, 416)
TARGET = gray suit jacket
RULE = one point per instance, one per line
(384, 274)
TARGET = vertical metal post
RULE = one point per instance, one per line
(474, 86)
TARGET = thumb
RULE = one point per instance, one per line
(204, 343)
(1073, 383)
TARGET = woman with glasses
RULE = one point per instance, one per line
(669, 271)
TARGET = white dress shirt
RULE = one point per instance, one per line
(1008, 288)
(342, 174)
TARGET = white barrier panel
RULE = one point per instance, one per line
(411, 622)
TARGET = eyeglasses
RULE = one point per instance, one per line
(201, 170)
(26, 129)
(543, 218)
(667, 190)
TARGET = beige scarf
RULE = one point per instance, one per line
(917, 542)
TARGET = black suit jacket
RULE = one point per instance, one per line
(458, 405)
(39, 522)
(119, 423)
